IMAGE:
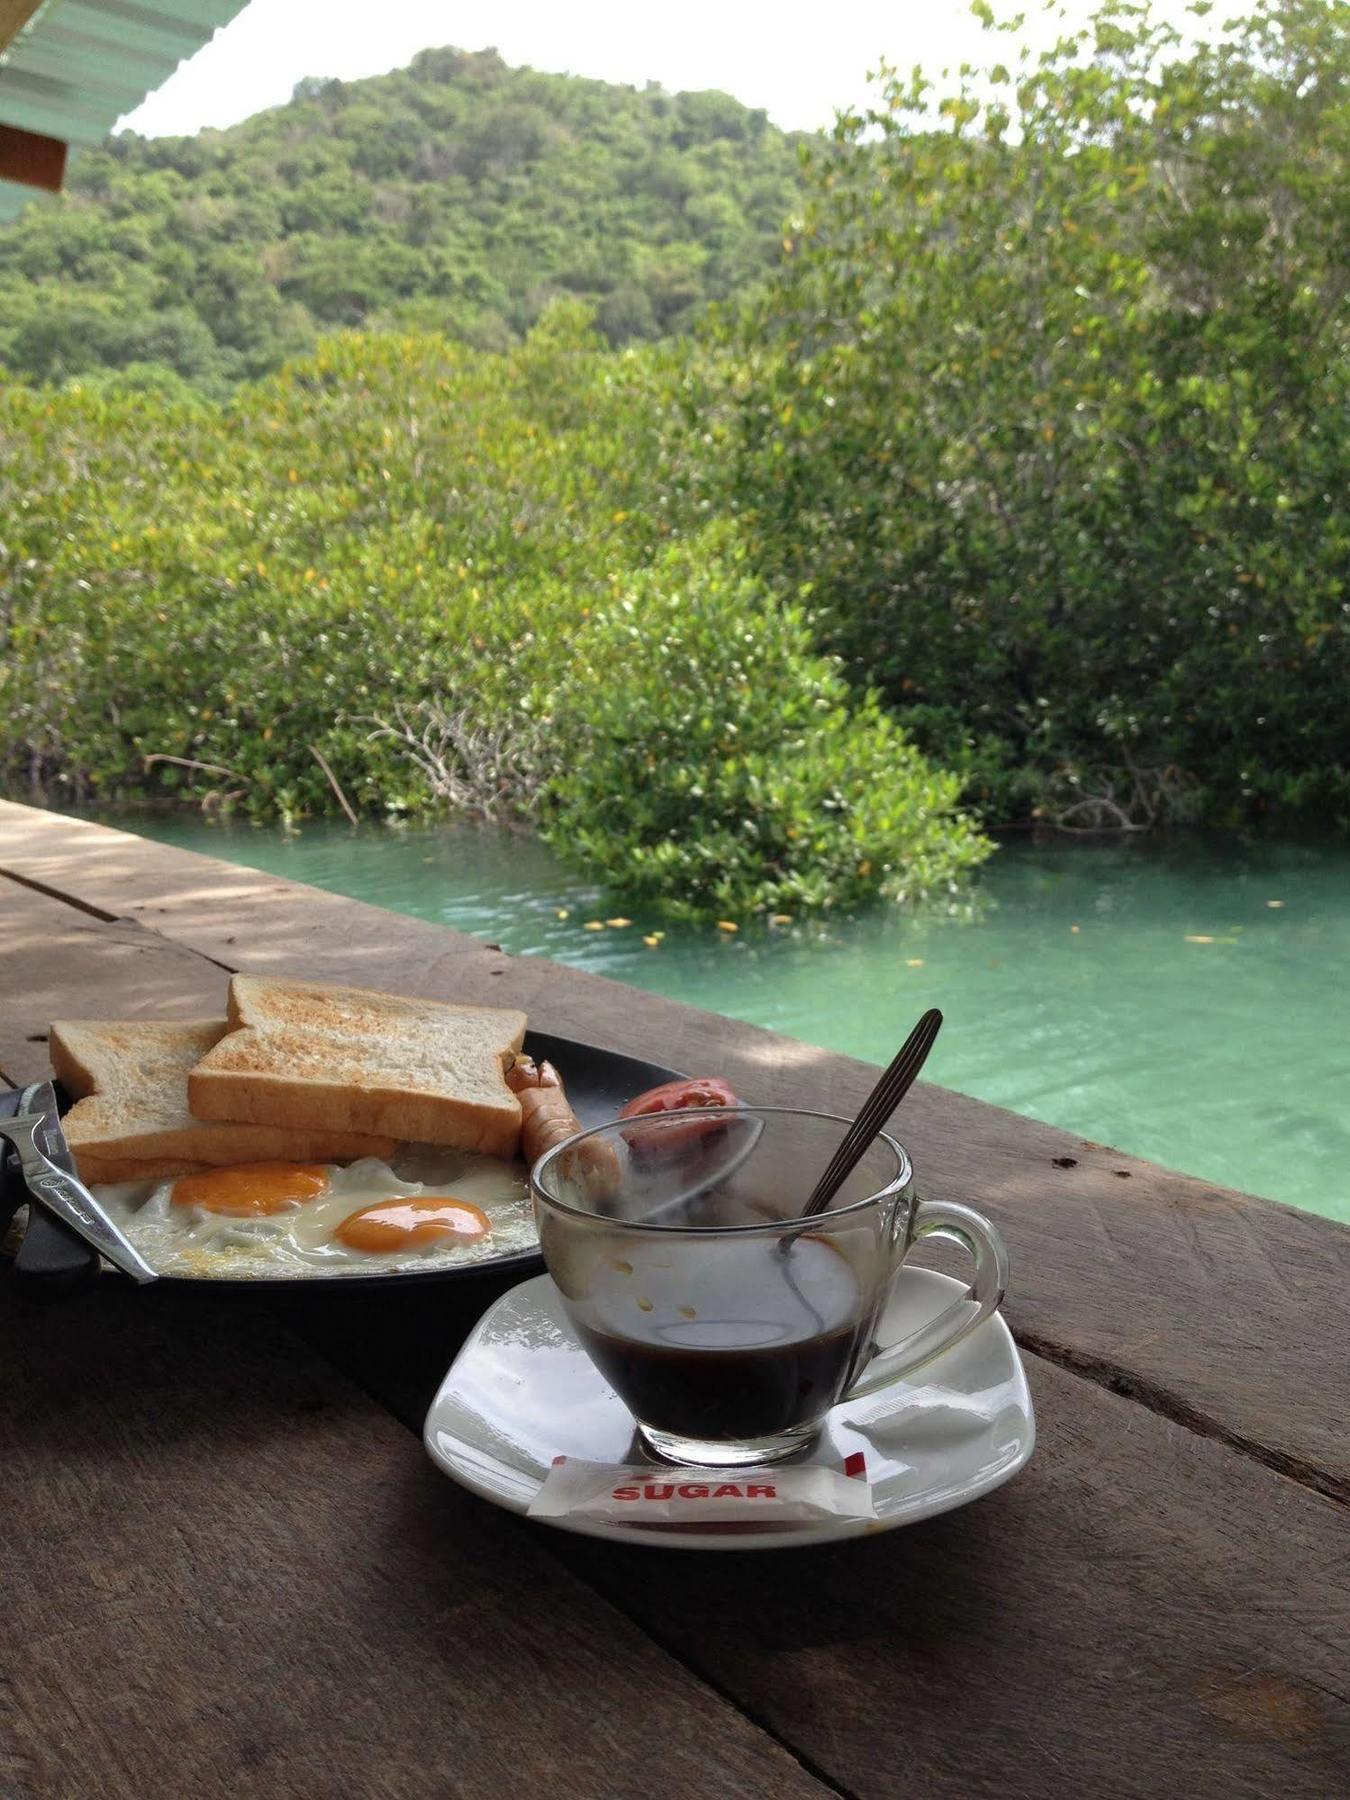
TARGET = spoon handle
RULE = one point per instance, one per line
(876, 1109)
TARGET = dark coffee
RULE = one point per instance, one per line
(761, 1344)
(729, 1394)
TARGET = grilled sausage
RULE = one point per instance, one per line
(545, 1116)
(546, 1119)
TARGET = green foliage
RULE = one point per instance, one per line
(699, 700)
(1038, 439)
(1048, 412)
(458, 195)
(474, 551)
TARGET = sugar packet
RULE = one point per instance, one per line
(721, 1500)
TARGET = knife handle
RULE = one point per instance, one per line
(72, 1202)
(53, 1263)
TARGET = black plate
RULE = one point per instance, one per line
(598, 1082)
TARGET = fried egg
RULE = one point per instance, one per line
(429, 1209)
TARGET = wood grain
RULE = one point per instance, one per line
(1224, 1311)
(236, 916)
(1143, 1610)
(1141, 1613)
(229, 1574)
(225, 1549)
(58, 962)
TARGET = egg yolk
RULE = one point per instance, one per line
(409, 1224)
(251, 1190)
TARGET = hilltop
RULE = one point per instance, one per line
(458, 195)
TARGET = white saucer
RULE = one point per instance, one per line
(522, 1392)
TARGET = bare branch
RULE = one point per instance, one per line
(334, 783)
(475, 769)
(189, 762)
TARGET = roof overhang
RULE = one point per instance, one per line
(69, 69)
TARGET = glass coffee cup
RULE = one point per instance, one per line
(727, 1322)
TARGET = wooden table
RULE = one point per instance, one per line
(228, 1567)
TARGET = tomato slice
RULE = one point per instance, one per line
(678, 1096)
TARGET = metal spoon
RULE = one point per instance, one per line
(876, 1109)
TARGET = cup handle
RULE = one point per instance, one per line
(956, 1225)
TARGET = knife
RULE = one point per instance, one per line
(49, 1175)
(51, 1263)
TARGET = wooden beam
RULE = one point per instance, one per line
(14, 15)
(31, 159)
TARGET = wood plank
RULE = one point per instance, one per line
(30, 158)
(236, 916)
(227, 1572)
(14, 15)
(58, 962)
(1161, 1608)
(1141, 1612)
(1138, 1601)
(1193, 1298)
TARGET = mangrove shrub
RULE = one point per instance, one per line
(1048, 408)
(402, 571)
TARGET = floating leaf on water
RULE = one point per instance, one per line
(617, 924)
(651, 941)
(1075, 928)
(594, 925)
(913, 962)
(780, 918)
(564, 912)
(1274, 902)
(727, 925)
(1195, 937)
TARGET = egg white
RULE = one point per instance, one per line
(188, 1240)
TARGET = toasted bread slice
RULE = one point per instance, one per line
(98, 1171)
(308, 1055)
(130, 1121)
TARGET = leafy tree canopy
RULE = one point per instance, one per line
(1039, 434)
(442, 577)
(1049, 410)
(458, 195)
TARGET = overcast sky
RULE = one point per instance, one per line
(800, 62)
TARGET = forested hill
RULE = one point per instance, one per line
(457, 194)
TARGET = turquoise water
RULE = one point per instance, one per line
(1075, 991)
